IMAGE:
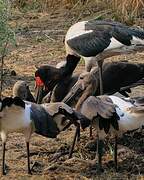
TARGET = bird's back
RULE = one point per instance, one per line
(93, 37)
(118, 75)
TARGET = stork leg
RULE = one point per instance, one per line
(91, 131)
(3, 158)
(28, 158)
(99, 153)
(115, 153)
(100, 63)
(91, 136)
(77, 135)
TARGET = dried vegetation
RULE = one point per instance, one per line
(40, 28)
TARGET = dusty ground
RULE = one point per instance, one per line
(40, 41)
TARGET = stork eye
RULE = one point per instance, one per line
(80, 77)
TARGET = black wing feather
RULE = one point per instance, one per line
(114, 121)
(100, 119)
(106, 125)
(90, 44)
(123, 35)
(93, 43)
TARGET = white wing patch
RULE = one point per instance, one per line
(114, 44)
(128, 120)
(123, 105)
(136, 40)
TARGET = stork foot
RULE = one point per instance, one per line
(29, 172)
(96, 167)
(4, 172)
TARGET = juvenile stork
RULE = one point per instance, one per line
(113, 115)
(96, 40)
(47, 120)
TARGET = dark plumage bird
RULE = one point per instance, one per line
(57, 81)
(116, 76)
(96, 40)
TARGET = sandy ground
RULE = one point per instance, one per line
(40, 41)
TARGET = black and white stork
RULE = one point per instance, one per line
(96, 40)
(53, 83)
(47, 120)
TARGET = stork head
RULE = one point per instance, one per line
(85, 82)
(46, 77)
(21, 89)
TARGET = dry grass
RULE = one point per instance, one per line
(121, 10)
(44, 5)
(39, 41)
(127, 9)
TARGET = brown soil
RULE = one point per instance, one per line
(40, 41)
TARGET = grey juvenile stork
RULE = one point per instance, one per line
(114, 116)
(96, 40)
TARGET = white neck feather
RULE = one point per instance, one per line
(27, 114)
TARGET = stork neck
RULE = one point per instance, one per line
(71, 63)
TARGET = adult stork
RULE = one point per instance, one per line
(53, 83)
(96, 40)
